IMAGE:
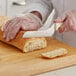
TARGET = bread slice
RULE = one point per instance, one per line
(55, 53)
(25, 44)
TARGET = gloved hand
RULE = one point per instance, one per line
(68, 20)
(26, 22)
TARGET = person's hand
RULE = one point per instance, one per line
(68, 20)
(13, 26)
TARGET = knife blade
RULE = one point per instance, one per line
(43, 33)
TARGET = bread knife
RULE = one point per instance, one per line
(43, 33)
(47, 30)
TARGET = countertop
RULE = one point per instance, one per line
(69, 71)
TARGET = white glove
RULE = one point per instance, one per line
(26, 21)
(68, 20)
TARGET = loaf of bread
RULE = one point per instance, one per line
(55, 53)
(25, 44)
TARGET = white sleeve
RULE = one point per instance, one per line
(44, 7)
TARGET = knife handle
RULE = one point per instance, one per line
(58, 25)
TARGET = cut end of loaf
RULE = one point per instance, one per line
(3, 19)
(35, 44)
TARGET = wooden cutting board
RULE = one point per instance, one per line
(15, 63)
